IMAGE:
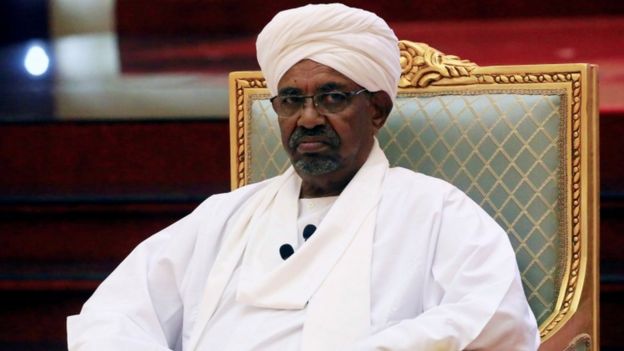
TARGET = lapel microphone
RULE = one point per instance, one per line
(308, 231)
(287, 250)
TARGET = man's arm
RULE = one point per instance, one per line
(139, 307)
(475, 299)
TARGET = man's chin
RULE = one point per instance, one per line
(315, 166)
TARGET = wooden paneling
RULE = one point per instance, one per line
(612, 231)
(77, 197)
(73, 246)
(611, 155)
(97, 161)
(35, 321)
(224, 18)
(611, 326)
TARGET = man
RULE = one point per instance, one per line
(340, 252)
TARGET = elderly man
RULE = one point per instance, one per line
(340, 252)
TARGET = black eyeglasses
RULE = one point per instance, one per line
(330, 102)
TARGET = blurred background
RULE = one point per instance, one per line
(113, 124)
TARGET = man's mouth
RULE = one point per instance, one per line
(311, 146)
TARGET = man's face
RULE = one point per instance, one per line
(326, 149)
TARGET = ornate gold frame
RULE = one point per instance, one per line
(425, 69)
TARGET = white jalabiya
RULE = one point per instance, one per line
(273, 329)
(330, 276)
(442, 277)
(354, 42)
(311, 212)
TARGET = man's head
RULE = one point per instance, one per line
(333, 71)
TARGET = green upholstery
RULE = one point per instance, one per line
(501, 149)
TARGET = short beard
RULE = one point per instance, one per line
(316, 166)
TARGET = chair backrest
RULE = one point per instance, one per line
(520, 140)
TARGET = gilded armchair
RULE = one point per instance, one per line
(520, 140)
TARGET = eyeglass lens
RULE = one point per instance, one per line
(331, 102)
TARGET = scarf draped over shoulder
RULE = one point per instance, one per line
(329, 275)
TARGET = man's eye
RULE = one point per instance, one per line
(334, 98)
(291, 100)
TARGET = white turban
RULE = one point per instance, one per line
(354, 42)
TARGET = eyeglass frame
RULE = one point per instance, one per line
(316, 98)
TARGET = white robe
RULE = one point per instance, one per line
(436, 258)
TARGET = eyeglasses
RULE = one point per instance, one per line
(330, 102)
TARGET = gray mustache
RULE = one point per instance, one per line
(325, 131)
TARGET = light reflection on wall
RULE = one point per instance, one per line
(89, 82)
(36, 61)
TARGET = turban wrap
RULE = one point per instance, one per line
(354, 42)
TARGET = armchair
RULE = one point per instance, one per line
(521, 141)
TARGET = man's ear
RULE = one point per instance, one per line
(382, 104)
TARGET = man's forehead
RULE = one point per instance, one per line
(322, 87)
(311, 75)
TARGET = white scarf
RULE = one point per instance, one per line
(330, 273)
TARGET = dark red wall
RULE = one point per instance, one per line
(225, 18)
(78, 198)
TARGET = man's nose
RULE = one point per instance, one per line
(310, 117)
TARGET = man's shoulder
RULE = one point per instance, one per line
(404, 179)
(229, 201)
(403, 186)
(242, 192)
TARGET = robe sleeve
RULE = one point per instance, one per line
(475, 299)
(138, 306)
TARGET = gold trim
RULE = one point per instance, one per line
(580, 339)
(593, 189)
(240, 82)
(428, 70)
(423, 65)
(577, 244)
